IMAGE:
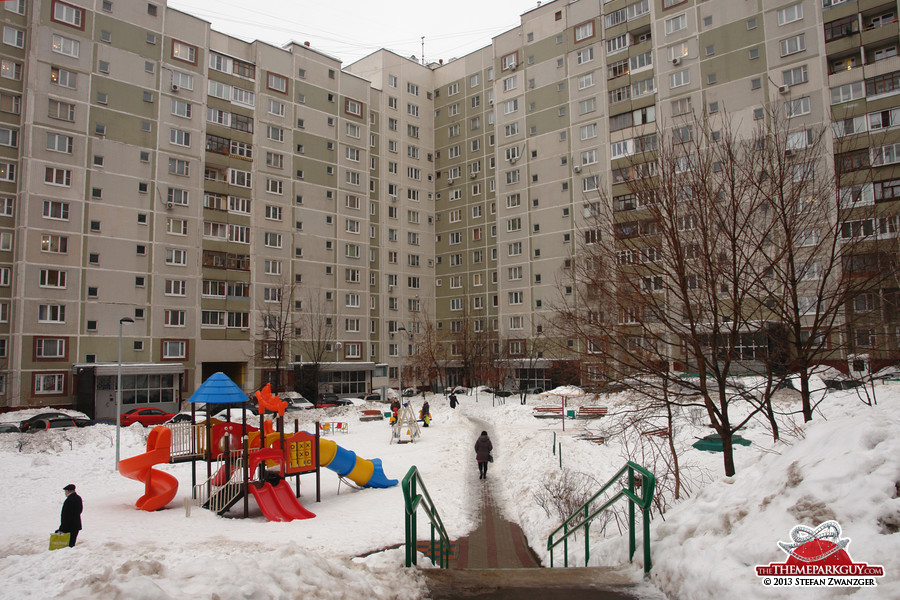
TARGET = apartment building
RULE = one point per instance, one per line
(239, 207)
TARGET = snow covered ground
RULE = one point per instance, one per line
(845, 465)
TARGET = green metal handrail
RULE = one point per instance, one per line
(413, 501)
(583, 516)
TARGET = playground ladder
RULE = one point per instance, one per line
(413, 501)
(583, 516)
(222, 496)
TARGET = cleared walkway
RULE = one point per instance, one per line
(495, 562)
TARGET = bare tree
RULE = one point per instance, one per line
(315, 337)
(427, 363)
(277, 317)
(667, 275)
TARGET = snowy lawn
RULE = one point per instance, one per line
(845, 465)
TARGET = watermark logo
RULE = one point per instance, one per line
(818, 558)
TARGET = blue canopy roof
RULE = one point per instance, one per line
(219, 389)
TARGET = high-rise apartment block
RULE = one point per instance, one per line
(187, 194)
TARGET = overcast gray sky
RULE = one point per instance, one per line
(351, 29)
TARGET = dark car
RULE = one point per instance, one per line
(183, 417)
(28, 423)
(330, 400)
(65, 422)
(146, 416)
(373, 397)
(9, 428)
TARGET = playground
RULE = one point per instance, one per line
(184, 550)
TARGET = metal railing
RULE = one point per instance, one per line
(215, 494)
(413, 502)
(583, 516)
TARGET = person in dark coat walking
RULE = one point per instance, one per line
(70, 516)
(453, 400)
(483, 447)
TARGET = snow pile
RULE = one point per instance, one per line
(845, 465)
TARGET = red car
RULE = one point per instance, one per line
(146, 416)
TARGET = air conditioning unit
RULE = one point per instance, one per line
(491, 102)
(676, 60)
(174, 87)
(449, 182)
(390, 288)
(513, 160)
(577, 169)
(170, 205)
(473, 175)
(512, 67)
(783, 89)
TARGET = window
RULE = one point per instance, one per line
(352, 107)
(10, 69)
(174, 349)
(16, 37)
(182, 80)
(676, 23)
(679, 78)
(54, 383)
(588, 131)
(184, 52)
(51, 313)
(50, 348)
(180, 108)
(793, 45)
(179, 137)
(178, 166)
(584, 31)
(52, 176)
(800, 106)
(53, 278)
(789, 14)
(509, 61)
(796, 75)
(176, 256)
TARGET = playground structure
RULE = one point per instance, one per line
(253, 462)
(405, 428)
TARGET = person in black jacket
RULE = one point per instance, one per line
(483, 447)
(70, 516)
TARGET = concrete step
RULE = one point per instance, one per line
(537, 584)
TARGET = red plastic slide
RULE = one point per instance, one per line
(159, 487)
(277, 502)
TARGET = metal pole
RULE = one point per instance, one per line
(400, 362)
(119, 389)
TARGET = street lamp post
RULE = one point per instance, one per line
(122, 321)
(400, 361)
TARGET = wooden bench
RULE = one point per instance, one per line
(371, 415)
(547, 412)
(661, 432)
(590, 437)
(591, 412)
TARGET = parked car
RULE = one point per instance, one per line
(296, 401)
(534, 390)
(183, 417)
(409, 392)
(65, 422)
(146, 417)
(456, 390)
(373, 397)
(9, 428)
(27, 423)
(330, 400)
